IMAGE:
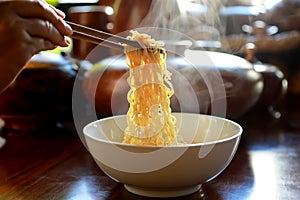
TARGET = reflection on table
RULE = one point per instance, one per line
(56, 165)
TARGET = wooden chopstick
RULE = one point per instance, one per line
(100, 37)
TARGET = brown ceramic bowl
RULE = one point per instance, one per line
(218, 77)
(41, 95)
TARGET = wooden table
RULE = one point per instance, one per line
(57, 165)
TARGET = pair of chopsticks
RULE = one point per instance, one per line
(100, 37)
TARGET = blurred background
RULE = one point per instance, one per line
(257, 42)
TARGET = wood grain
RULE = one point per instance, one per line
(57, 165)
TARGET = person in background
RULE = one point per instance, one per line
(26, 28)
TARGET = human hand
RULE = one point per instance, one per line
(26, 28)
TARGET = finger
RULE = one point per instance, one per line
(38, 9)
(59, 12)
(44, 29)
(40, 44)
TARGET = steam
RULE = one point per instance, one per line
(196, 18)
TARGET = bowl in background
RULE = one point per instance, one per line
(194, 80)
(2, 140)
(165, 171)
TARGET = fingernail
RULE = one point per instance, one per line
(61, 13)
(69, 29)
(67, 41)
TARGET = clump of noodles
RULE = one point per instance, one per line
(149, 117)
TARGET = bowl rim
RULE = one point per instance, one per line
(183, 145)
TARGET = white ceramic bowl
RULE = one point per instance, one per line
(167, 171)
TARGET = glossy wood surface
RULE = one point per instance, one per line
(57, 165)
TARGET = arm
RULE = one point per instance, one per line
(27, 27)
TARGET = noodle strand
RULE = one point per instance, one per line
(149, 117)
